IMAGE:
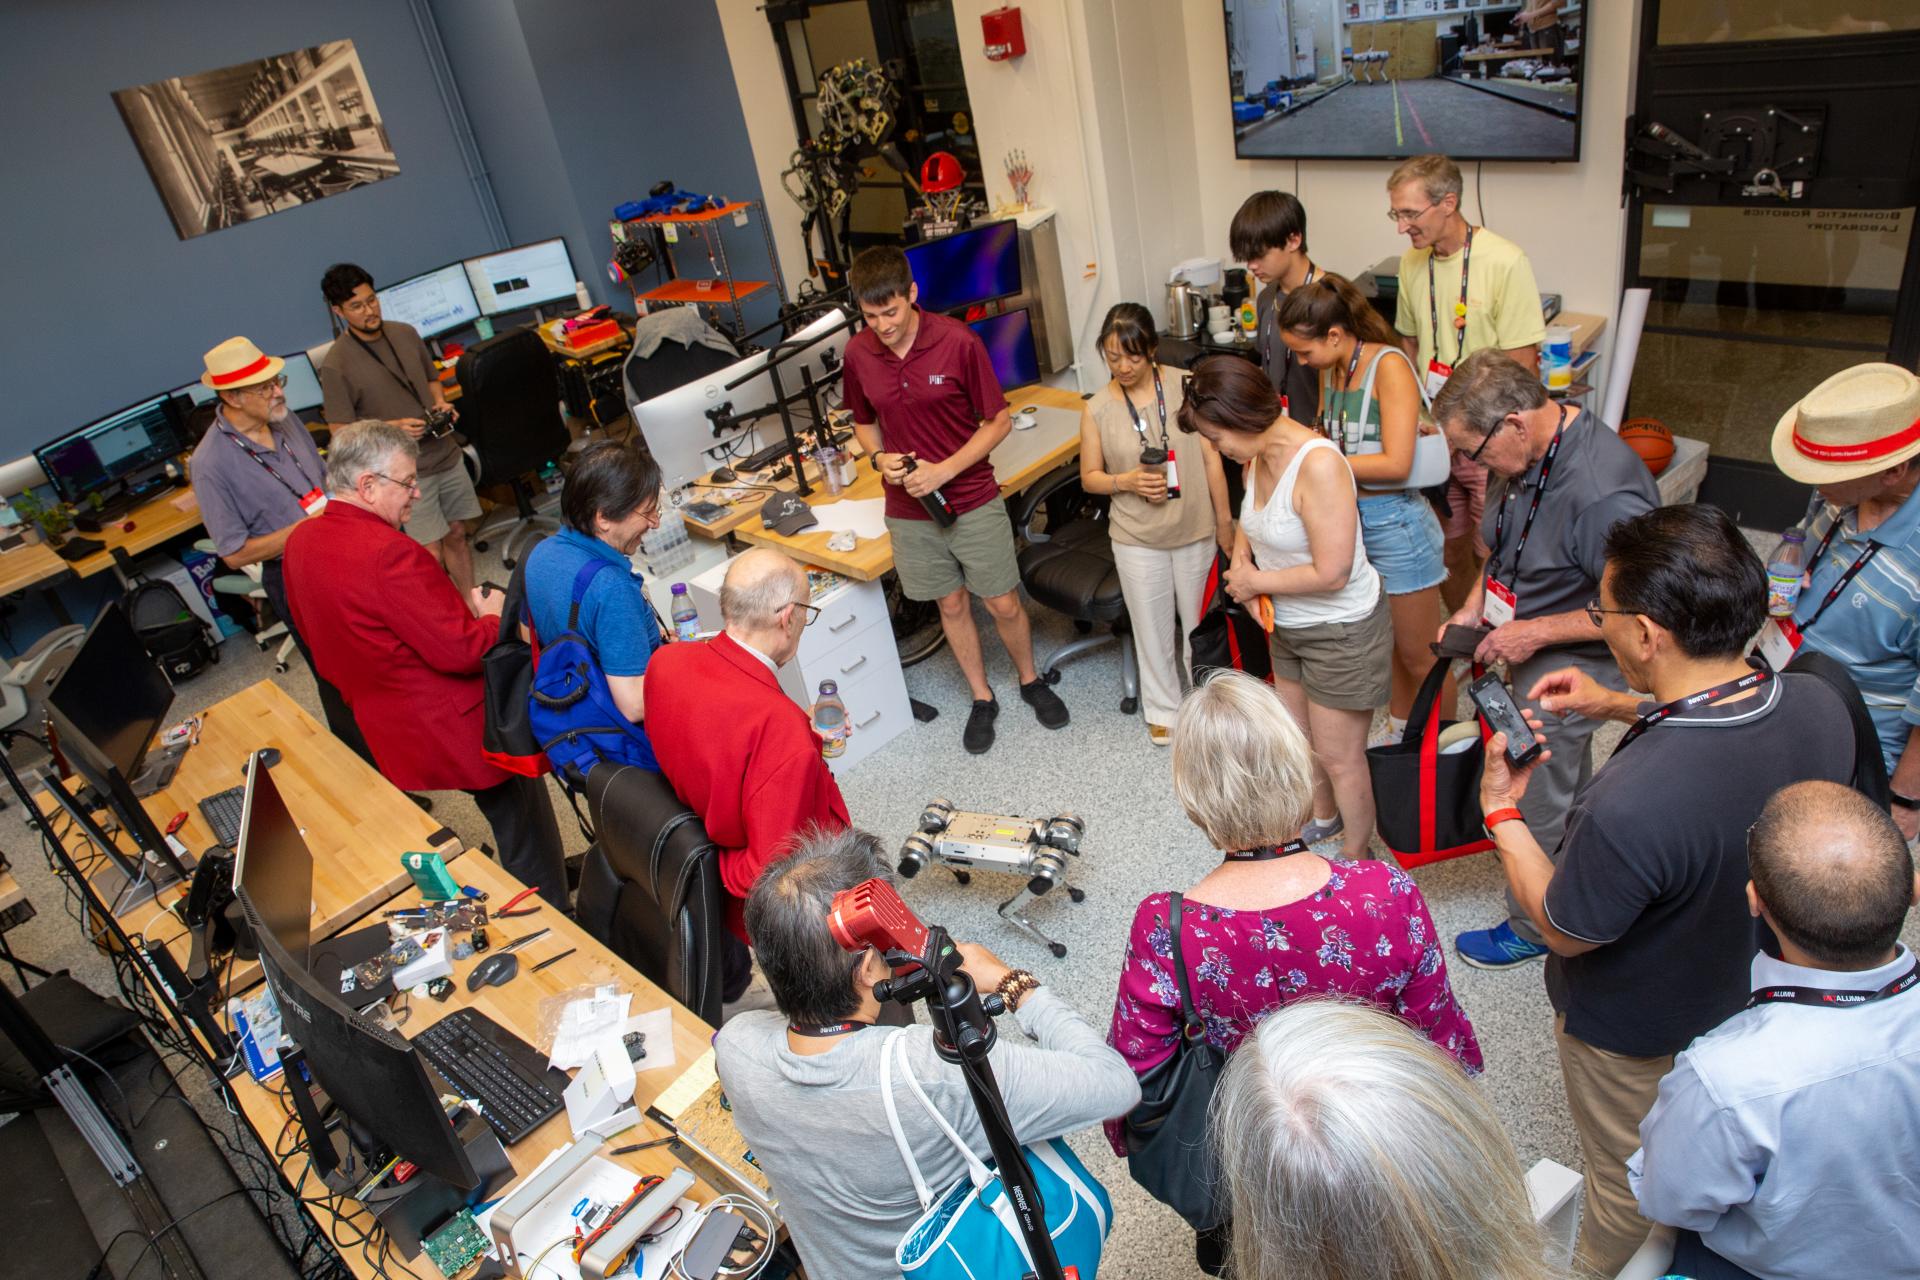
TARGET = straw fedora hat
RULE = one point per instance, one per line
(1859, 421)
(238, 363)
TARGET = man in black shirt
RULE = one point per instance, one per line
(1269, 234)
(1644, 905)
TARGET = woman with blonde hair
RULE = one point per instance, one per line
(1350, 1146)
(1273, 922)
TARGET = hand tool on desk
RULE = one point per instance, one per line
(517, 943)
(513, 907)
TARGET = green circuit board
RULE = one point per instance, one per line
(456, 1245)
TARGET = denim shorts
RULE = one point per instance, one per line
(1403, 541)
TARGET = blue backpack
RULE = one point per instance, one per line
(570, 707)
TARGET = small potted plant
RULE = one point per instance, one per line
(53, 520)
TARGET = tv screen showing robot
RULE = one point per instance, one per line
(529, 276)
(968, 267)
(1009, 339)
(435, 303)
(103, 453)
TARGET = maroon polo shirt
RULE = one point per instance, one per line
(928, 404)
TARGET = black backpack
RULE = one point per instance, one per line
(170, 632)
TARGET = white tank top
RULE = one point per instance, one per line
(1278, 538)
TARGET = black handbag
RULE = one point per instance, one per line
(1227, 635)
(1428, 804)
(1869, 766)
(507, 740)
(1166, 1134)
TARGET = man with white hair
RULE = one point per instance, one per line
(390, 630)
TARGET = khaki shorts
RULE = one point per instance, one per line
(1343, 665)
(976, 553)
(444, 496)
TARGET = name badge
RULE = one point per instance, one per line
(1498, 607)
(1779, 641)
(313, 501)
(1437, 375)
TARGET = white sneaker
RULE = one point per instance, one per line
(1387, 737)
(1318, 832)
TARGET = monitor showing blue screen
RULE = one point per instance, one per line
(435, 303)
(968, 267)
(98, 456)
(1009, 339)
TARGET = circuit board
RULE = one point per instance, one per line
(457, 1244)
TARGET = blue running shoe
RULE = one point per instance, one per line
(1496, 948)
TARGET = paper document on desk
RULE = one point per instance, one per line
(864, 517)
(186, 500)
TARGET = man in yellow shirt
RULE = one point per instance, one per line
(1462, 289)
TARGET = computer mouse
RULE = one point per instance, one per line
(724, 475)
(494, 971)
(268, 757)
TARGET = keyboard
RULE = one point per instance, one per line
(484, 1061)
(222, 812)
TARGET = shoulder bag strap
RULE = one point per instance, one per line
(1373, 371)
(1191, 1026)
(513, 609)
(581, 581)
(976, 1167)
(893, 1117)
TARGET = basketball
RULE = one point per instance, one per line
(1650, 438)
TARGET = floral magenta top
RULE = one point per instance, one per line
(1366, 934)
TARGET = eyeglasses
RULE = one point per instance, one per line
(812, 611)
(269, 386)
(358, 305)
(1594, 612)
(1401, 217)
(410, 483)
(1482, 447)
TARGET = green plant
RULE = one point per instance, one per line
(53, 519)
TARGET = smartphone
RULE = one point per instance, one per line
(1459, 642)
(1496, 703)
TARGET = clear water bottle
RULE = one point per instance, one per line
(669, 547)
(1784, 573)
(686, 618)
(830, 720)
(828, 456)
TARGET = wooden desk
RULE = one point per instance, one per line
(154, 521)
(1586, 329)
(549, 334)
(1019, 460)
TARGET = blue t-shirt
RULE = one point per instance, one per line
(615, 616)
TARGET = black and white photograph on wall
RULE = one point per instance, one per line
(239, 143)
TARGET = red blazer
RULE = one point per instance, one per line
(741, 753)
(389, 630)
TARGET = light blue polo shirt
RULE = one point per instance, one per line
(615, 616)
(1874, 627)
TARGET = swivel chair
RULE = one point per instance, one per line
(248, 583)
(23, 693)
(650, 886)
(670, 367)
(1066, 564)
(510, 415)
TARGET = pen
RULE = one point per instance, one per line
(642, 1146)
(555, 960)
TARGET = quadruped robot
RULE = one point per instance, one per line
(965, 841)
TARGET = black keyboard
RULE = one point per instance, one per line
(503, 1073)
(222, 812)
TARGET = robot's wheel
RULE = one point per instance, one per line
(963, 877)
(480, 545)
(508, 561)
(280, 667)
(1129, 705)
(1078, 895)
(1051, 676)
(1059, 949)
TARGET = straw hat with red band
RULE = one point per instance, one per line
(1859, 421)
(238, 363)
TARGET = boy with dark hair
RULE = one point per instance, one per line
(1269, 234)
(928, 409)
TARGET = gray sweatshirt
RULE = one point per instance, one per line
(818, 1129)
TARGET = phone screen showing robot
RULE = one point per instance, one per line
(1496, 703)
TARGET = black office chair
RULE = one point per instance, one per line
(1066, 564)
(650, 886)
(510, 414)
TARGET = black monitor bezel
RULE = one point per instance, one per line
(572, 270)
(176, 420)
(1038, 372)
(421, 275)
(1019, 289)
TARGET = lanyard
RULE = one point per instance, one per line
(1346, 385)
(1826, 998)
(396, 370)
(1539, 491)
(824, 1029)
(1833, 592)
(1460, 311)
(1269, 853)
(1705, 698)
(1266, 334)
(261, 460)
(1160, 398)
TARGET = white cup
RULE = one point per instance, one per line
(1219, 316)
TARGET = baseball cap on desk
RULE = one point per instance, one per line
(786, 513)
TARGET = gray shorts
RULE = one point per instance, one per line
(1343, 665)
(444, 496)
(976, 553)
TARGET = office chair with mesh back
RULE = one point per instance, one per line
(1066, 564)
(510, 414)
(650, 886)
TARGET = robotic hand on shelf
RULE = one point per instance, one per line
(966, 841)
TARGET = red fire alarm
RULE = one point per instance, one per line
(1005, 38)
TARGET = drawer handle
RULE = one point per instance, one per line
(837, 628)
(861, 724)
(856, 666)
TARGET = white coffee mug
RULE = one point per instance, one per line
(1218, 316)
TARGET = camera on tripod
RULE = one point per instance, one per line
(439, 422)
(998, 842)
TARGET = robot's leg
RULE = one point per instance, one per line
(1012, 912)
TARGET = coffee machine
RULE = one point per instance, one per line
(1192, 287)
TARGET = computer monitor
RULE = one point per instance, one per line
(434, 303)
(676, 426)
(303, 386)
(127, 448)
(1009, 339)
(977, 265)
(113, 694)
(274, 864)
(529, 275)
(371, 1074)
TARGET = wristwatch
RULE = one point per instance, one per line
(1014, 987)
(1903, 802)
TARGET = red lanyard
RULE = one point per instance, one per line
(1833, 592)
(1827, 998)
(1539, 491)
(1160, 397)
(1269, 853)
(1433, 303)
(1705, 698)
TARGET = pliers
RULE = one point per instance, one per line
(513, 907)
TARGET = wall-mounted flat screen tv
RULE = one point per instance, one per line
(1386, 79)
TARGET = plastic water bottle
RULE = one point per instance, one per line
(1784, 570)
(828, 457)
(668, 548)
(830, 720)
(686, 618)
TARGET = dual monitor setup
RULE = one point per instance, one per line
(452, 297)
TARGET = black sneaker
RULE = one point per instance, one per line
(1046, 704)
(979, 734)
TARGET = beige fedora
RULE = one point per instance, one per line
(238, 363)
(1859, 421)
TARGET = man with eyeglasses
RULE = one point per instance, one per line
(391, 631)
(386, 372)
(736, 748)
(256, 475)
(1644, 901)
(1568, 479)
(1462, 289)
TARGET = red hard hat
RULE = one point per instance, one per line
(941, 172)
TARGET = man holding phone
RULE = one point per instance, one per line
(1643, 904)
